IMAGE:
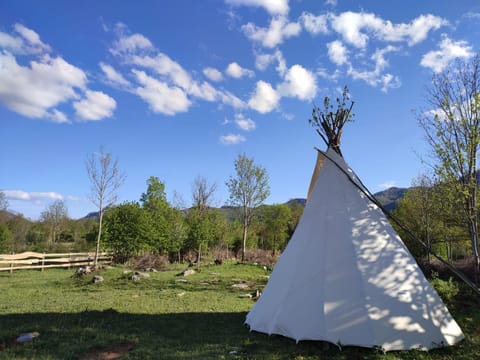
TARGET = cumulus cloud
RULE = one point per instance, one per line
(299, 83)
(213, 74)
(279, 30)
(161, 97)
(113, 77)
(357, 28)
(95, 106)
(34, 91)
(25, 41)
(262, 61)
(162, 82)
(236, 71)
(337, 52)
(449, 50)
(28, 196)
(232, 139)
(244, 123)
(130, 44)
(265, 98)
(315, 24)
(377, 77)
(273, 7)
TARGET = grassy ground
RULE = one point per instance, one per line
(161, 318)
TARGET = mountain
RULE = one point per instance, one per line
(390, 197)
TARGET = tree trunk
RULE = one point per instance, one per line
(244, 242)
(97, 250)
(199, 255)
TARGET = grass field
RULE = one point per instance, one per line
(162, 318)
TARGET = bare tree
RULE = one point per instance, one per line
(3, 201)
(202, 193)
(105, 179)
(199, 216)
(452, 128)
(55, 217)
(248, 189)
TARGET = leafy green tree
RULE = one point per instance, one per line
(248, 189)
(275, 220)
(126, 228)
(154, 202)
(452, 128)
(5, 238)
(105, 179)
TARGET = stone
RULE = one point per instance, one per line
(136, 278)
(97, 279)
(240, 286)
(188, 272)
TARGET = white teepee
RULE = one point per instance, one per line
(347, 278)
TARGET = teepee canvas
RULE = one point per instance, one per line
(347, 278)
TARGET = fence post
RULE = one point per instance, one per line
(11, 264)
(43, 261)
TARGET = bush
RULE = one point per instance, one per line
(157, 262)
(446, 289)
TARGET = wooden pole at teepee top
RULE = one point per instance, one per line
(329, 124)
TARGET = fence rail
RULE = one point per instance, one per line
(41, 261)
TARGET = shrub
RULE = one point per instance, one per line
(447, 289)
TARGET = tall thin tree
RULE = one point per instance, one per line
(452, 128)
(248, 189)
(105, 179)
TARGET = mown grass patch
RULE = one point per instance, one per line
(167, 319)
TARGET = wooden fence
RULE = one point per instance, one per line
(33, 260)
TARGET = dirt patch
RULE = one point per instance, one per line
(110, 352)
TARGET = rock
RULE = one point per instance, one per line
(240, 286)
(26, 337)
(136, 278)
(181, 281)
(188, 272)
(97, 279)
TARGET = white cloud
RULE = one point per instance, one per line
(36, 90)
(213, 74)
(262, 61)
(163, 65)
(28, 41)
(95, 106)
(236, 71)
(337, 52)
(159, 96)
(113, 77)
(244, 123)
(331, 2)
(203, 91)
(377, 77)
(315, 24)
(357, 28)
(130, 44)
(273, 7)
(275, 34)
(232, 139)
(388, 184)
(28, 196)
(299, 82)
(265, 98)
(450, 50)
(230, 99)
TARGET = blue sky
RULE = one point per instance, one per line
(177, 89)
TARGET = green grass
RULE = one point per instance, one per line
(166, 319)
